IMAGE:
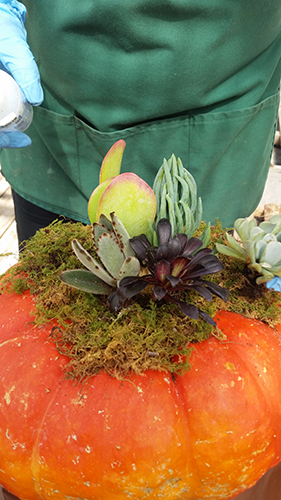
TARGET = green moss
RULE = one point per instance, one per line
(145, 334)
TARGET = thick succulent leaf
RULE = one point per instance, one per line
(164, 231)
(140, 244)
(162, 269)
(205, 236)
(215, 289)
(110, 254)
(255, 231)
(116, 299)
(271, 253)
(188, 219)
(105, 221)
(243, 227)
(122, 235)
(178, 266)
(225, 250)
(250, 250)
(203, 291)
(130, 267)
(182, 239)
(207, 318)
(179, 226)
(198, 214)
(188, 309)
(133, 285)
(159, 292)
(85, 281)
(174, 248)
(97, 231)
(192, 246)
(259, 249)
(235, 245)
(90, 263)
(267, 276)
(174, 281)
(268, 227)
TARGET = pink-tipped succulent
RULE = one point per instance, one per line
(127, 195)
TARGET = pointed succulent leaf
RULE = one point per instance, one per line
(225, 250)
(162, 269)
(159, 292)
(85, 281)
(219, 291)
(164, 231)
(90, 263)
(122, 235)
(250, 250)
(130, 267)
(110, 254)
(235, 245)
(205, 236)
(192, 246)
(178, 266)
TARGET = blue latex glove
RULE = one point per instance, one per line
(274, 284)
(17, 59)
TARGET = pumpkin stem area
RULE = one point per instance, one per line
(146, 334)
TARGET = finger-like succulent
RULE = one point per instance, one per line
(178, 264)
(111, 243)
(259, 246)
(176, 196)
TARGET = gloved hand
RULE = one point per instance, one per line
(274, 284)
(17, 59)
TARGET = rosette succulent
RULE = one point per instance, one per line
(259, 246)
(176, 196)
(177, 265)
(111, 243)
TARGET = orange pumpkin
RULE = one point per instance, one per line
(210, 433)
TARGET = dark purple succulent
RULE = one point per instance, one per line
(176, 265)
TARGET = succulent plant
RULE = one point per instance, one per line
(176, 196)
(129, 196)
(111, 243)
(178, 264)
(259, 246)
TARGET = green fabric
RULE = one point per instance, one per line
(197, 79)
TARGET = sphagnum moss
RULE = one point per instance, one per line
(145, 334)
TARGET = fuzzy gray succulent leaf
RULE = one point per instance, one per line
(85, 281)
(90, 263)
(110, 253)
(130, 267)
(98, 230)
(122, 235)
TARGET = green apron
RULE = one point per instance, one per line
(197, 78)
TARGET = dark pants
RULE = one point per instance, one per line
(30, 218)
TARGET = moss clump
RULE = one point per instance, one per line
(145, 334)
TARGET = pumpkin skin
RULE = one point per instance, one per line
(210, 433)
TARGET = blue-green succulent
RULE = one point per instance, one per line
(259, 246)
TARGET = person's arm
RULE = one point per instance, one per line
(17, 59)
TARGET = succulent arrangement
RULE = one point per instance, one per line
(175, 263)
(259, 246)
